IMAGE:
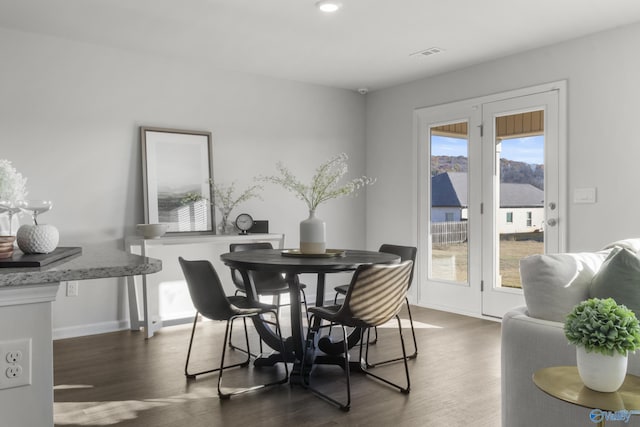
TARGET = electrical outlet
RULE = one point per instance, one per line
(72, 289)
(14, 371)
(15, 363)
(14, 356)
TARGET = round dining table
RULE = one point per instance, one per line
(291, 263)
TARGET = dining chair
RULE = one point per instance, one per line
(210, 301)
(375, 296)
(406, 253)
(271, 284)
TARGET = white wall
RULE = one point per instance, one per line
(69, 118)
(603, 151)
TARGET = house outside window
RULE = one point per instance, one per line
(529, 219)
(509, 217)
(448, 216)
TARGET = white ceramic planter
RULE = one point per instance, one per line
(37, 239)
(600, 372)
(312, 235)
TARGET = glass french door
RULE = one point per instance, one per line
(490, 194)
(521, 184)
(450, 208)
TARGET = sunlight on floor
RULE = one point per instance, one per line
(406, 324)
(71, 387)
(109, 413)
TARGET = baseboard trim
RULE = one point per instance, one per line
(461, 312)
(91, 329)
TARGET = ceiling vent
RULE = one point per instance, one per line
(428, 52)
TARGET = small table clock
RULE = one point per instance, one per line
(244, 222)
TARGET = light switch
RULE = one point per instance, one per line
(584, 195)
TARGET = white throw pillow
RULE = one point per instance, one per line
(553, 284)
(632, 244)
(619, 278)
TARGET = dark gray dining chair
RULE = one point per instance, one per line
(406, 253)
(375, 295)
(267, 283)
(210, 301)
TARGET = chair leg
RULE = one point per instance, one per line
(227, 395)
(404, 358)
(307, 381)
(375, 338)
(397, 359)
(231, 345)
(240, 349)
(413, 333)
(304, 302)
(195, 374)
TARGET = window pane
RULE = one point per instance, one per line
(521, 191)
(449, 210)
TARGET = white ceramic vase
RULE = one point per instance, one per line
(37, 239)
(600, 372)
(312, 235)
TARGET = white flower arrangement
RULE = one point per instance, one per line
(324, 184)
(13, 186)
(225, 199)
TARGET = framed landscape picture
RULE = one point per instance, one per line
(177, 166)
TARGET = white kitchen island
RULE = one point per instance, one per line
(26, 295)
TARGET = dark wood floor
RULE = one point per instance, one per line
(122, 379)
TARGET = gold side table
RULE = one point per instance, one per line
(564, 383)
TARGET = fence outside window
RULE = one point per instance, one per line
(449, 232)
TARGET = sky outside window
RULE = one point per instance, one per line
(528, 149)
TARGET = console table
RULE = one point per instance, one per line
(168, 248)
(26, 295)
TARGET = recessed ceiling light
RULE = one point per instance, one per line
(328, 6)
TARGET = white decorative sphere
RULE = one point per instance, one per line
(37, 239)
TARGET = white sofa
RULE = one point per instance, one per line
(530, 341)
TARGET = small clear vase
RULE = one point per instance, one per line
(9, 222)
(225, 226)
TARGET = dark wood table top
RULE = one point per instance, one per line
(273, 260)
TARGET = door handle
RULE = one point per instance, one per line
(551, 222)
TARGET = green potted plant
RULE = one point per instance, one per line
(604, 333)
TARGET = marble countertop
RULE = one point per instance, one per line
(90, 264)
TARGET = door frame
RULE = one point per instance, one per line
(421, 118)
